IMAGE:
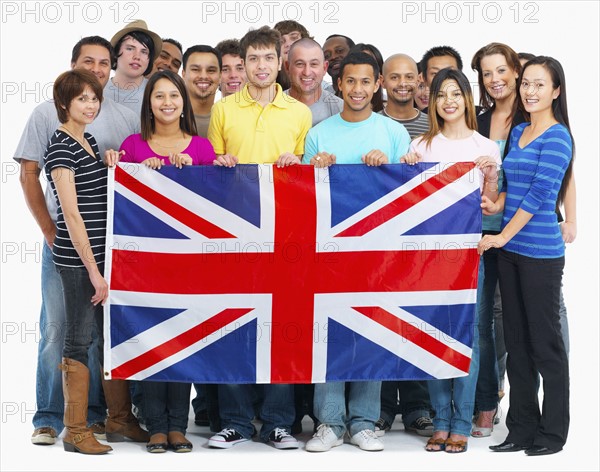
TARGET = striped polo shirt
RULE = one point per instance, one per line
(90, 177)
(533, 176)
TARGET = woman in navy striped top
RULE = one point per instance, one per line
(531, 263)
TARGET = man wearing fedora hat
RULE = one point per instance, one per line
(136, 48)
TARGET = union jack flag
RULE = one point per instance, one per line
(257, 274)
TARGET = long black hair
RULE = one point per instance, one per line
(559, 108)
(187, 124)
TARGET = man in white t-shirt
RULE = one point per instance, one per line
(113, 124)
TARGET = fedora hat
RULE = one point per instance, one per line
(139, 25)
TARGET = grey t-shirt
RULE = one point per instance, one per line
(327, 105)
(130, 96)
(110, 128)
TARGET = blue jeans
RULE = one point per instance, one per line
(364, 405)
(49, 393)
(166, 406)
(454, 399)
(236, 408)
(486, 396)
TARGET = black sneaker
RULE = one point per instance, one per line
(381, 426)
(226, 438)
(281, 439)
(423, 426)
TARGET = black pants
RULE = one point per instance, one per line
(530, 304)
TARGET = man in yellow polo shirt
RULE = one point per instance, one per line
(259, 124)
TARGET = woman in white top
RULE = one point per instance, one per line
(452, 137)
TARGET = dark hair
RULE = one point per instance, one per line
(436, 124)
(377, 100)
(93, 41)
(439, 51)
(174, 42)
(526, 56)
(229, 46)
(187, 124)
(559, 108)
(202, 48)
(71, 84)
(356, 58)
(261, 37)
(142, 38)
(288, 26)
(512, 60)
(349, 42)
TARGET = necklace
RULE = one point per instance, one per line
(176, 140)
(401, 119)
(70, 133)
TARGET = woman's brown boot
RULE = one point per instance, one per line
(78, 437)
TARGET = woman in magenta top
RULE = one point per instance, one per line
(168, 137)
(169, 133)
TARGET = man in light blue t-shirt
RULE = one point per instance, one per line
(356, 135)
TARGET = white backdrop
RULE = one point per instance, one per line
(36, 43)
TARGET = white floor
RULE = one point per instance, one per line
(403, 451)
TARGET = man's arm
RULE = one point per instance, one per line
(34, 197)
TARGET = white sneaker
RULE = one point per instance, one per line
(323, 440)
(367, 440)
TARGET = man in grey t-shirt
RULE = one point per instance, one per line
(136, 48)
(400, 80)
(110, 128)
(306, 67)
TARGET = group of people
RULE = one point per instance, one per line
(276, 107)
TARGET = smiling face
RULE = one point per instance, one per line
(306, 68)
(335, 49)
(422, 95)
(499, 79)
(537, 90)
(96, 59)
(166, 102)
(233, 74)
(400, 80)
(450, 102)
(201, 75)
(133, 58)
(169, 59)
(84, 108)
(262, 65)
(358, 85)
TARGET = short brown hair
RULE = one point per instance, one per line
(260, 38)
(71, 84)
(289, 26)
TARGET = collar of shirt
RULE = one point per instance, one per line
(281, 100)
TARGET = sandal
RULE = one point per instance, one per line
(441, 442)
(480, 431)
(461, 445)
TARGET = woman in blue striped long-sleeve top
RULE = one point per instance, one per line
(531, 263)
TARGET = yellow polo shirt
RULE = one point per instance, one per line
(255, 135)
